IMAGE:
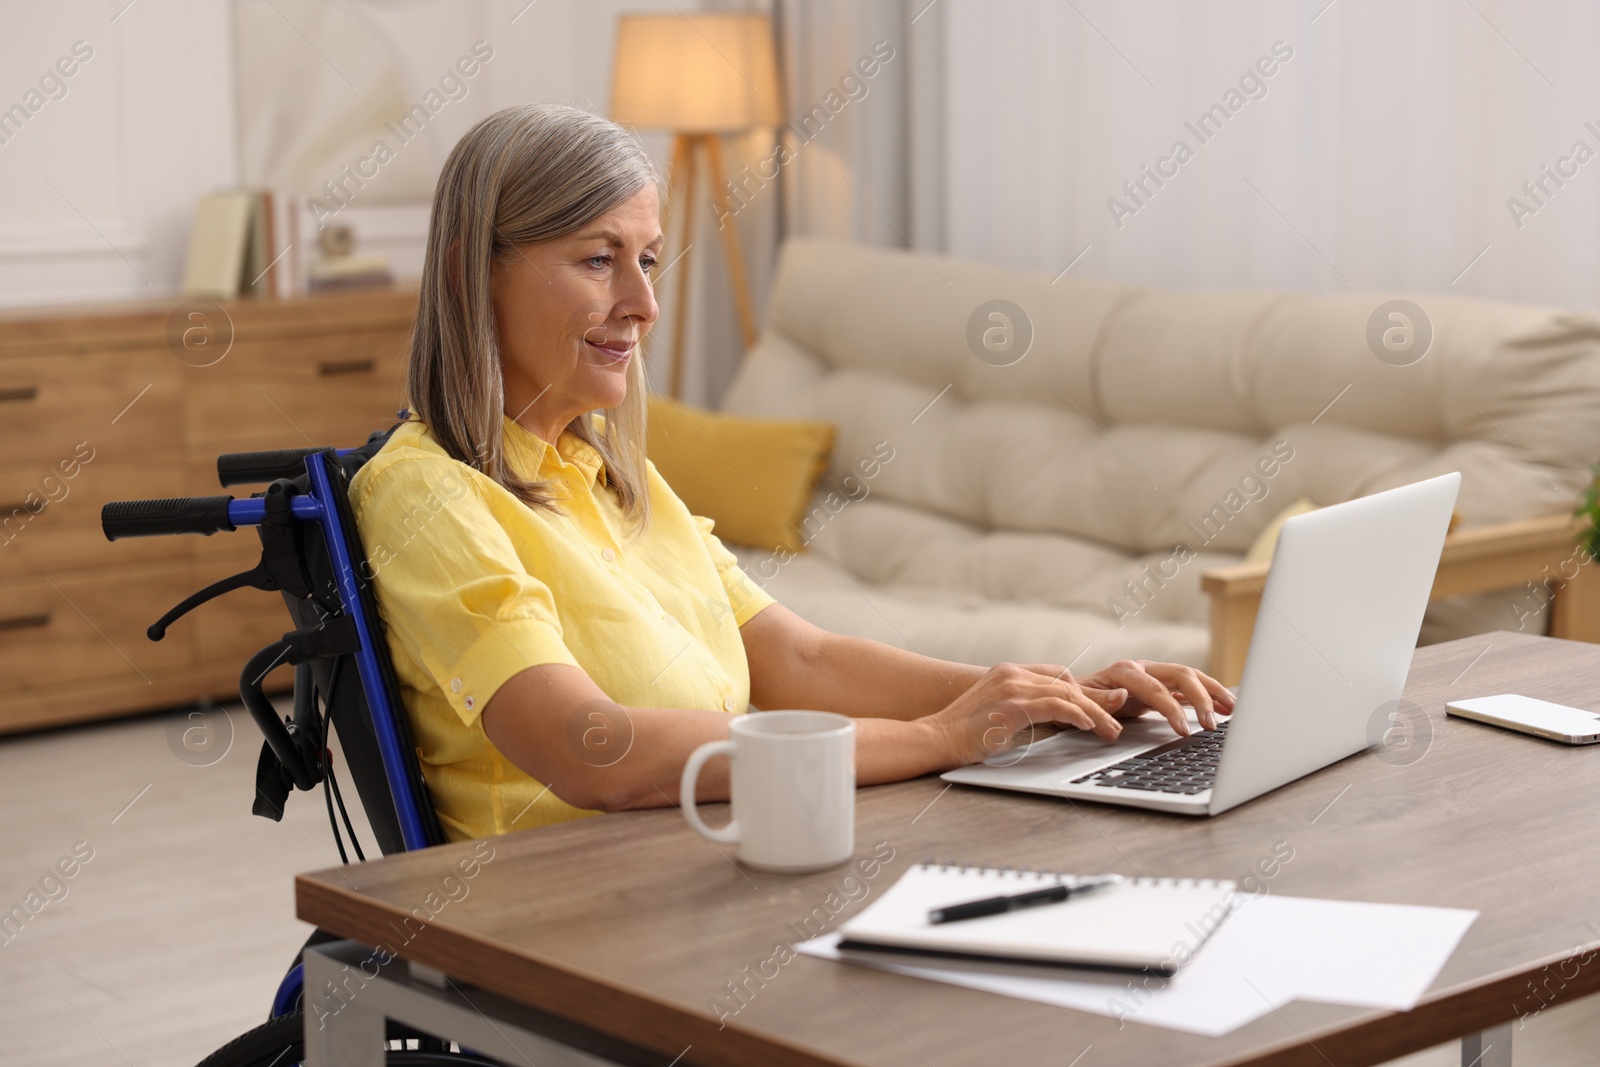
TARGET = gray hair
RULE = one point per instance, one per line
(526, 174)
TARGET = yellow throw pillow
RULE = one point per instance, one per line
(752, 477)
(1267, 543)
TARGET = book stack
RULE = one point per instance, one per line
(351, 271)
(262, 243)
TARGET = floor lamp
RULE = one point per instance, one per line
(701, 76)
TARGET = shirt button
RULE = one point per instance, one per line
(469, 703)
(669, 620)
(607, 555)
(729, 704)
(455, 685)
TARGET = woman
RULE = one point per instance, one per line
(565, 633)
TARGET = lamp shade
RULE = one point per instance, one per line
(695, 73)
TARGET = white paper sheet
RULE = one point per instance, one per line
(1270, 951)
(1356, 953)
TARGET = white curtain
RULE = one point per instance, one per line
(848, 96)
(1386, 149)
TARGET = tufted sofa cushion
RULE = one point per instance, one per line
(1064, 506)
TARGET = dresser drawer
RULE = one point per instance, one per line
(50, 515)
(114, 384)
(302, 391)
(67, 629)
(125, 402)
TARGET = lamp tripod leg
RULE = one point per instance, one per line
(680, 318)
(730, 243)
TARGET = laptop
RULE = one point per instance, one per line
(1328, 660)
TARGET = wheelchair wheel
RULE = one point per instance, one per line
(281, 1043)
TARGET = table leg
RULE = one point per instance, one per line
(349, 997)
(342, 1030)
(1487, 1048)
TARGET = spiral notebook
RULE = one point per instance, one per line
(1151, 925)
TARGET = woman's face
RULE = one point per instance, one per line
(571, 313)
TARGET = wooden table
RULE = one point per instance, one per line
(634, 926)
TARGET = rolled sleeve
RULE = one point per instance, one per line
(504, 650)
(745, 597)
(452, 590)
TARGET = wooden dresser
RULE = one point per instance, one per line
(129, 402)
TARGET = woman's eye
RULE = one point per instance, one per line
(648, 264)
(599, 261)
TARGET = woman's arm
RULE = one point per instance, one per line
(557, 725)
(794, 664)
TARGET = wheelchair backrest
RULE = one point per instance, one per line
(338, 678)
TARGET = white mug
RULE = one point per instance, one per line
(793, 789)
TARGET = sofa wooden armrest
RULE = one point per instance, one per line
(1540, 552)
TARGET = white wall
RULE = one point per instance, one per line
(1382, 155)
(147, 124)
(97, 185)
(551, 50)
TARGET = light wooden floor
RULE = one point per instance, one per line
(172, 938)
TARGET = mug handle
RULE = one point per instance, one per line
(728, 834)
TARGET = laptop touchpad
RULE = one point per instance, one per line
(1073, 752)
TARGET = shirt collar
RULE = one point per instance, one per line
(527, 451)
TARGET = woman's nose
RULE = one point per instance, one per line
(636, 298)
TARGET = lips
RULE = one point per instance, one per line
(612, 351)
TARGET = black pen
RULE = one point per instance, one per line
(1054, 894)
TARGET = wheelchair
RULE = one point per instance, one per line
(343, 681)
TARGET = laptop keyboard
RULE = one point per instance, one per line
(1184, 766)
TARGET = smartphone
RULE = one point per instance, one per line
(1526, 715)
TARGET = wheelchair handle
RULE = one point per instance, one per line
(154, 518)
(252, 468)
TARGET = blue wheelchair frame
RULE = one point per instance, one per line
(382, 704)
(316, 497)
(318, 509)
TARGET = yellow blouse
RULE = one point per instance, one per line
(475, 586)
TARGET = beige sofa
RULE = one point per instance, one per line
(1064, 506)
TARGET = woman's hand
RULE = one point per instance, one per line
(1014, 704)
(1164, 687)
(1010, 704)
